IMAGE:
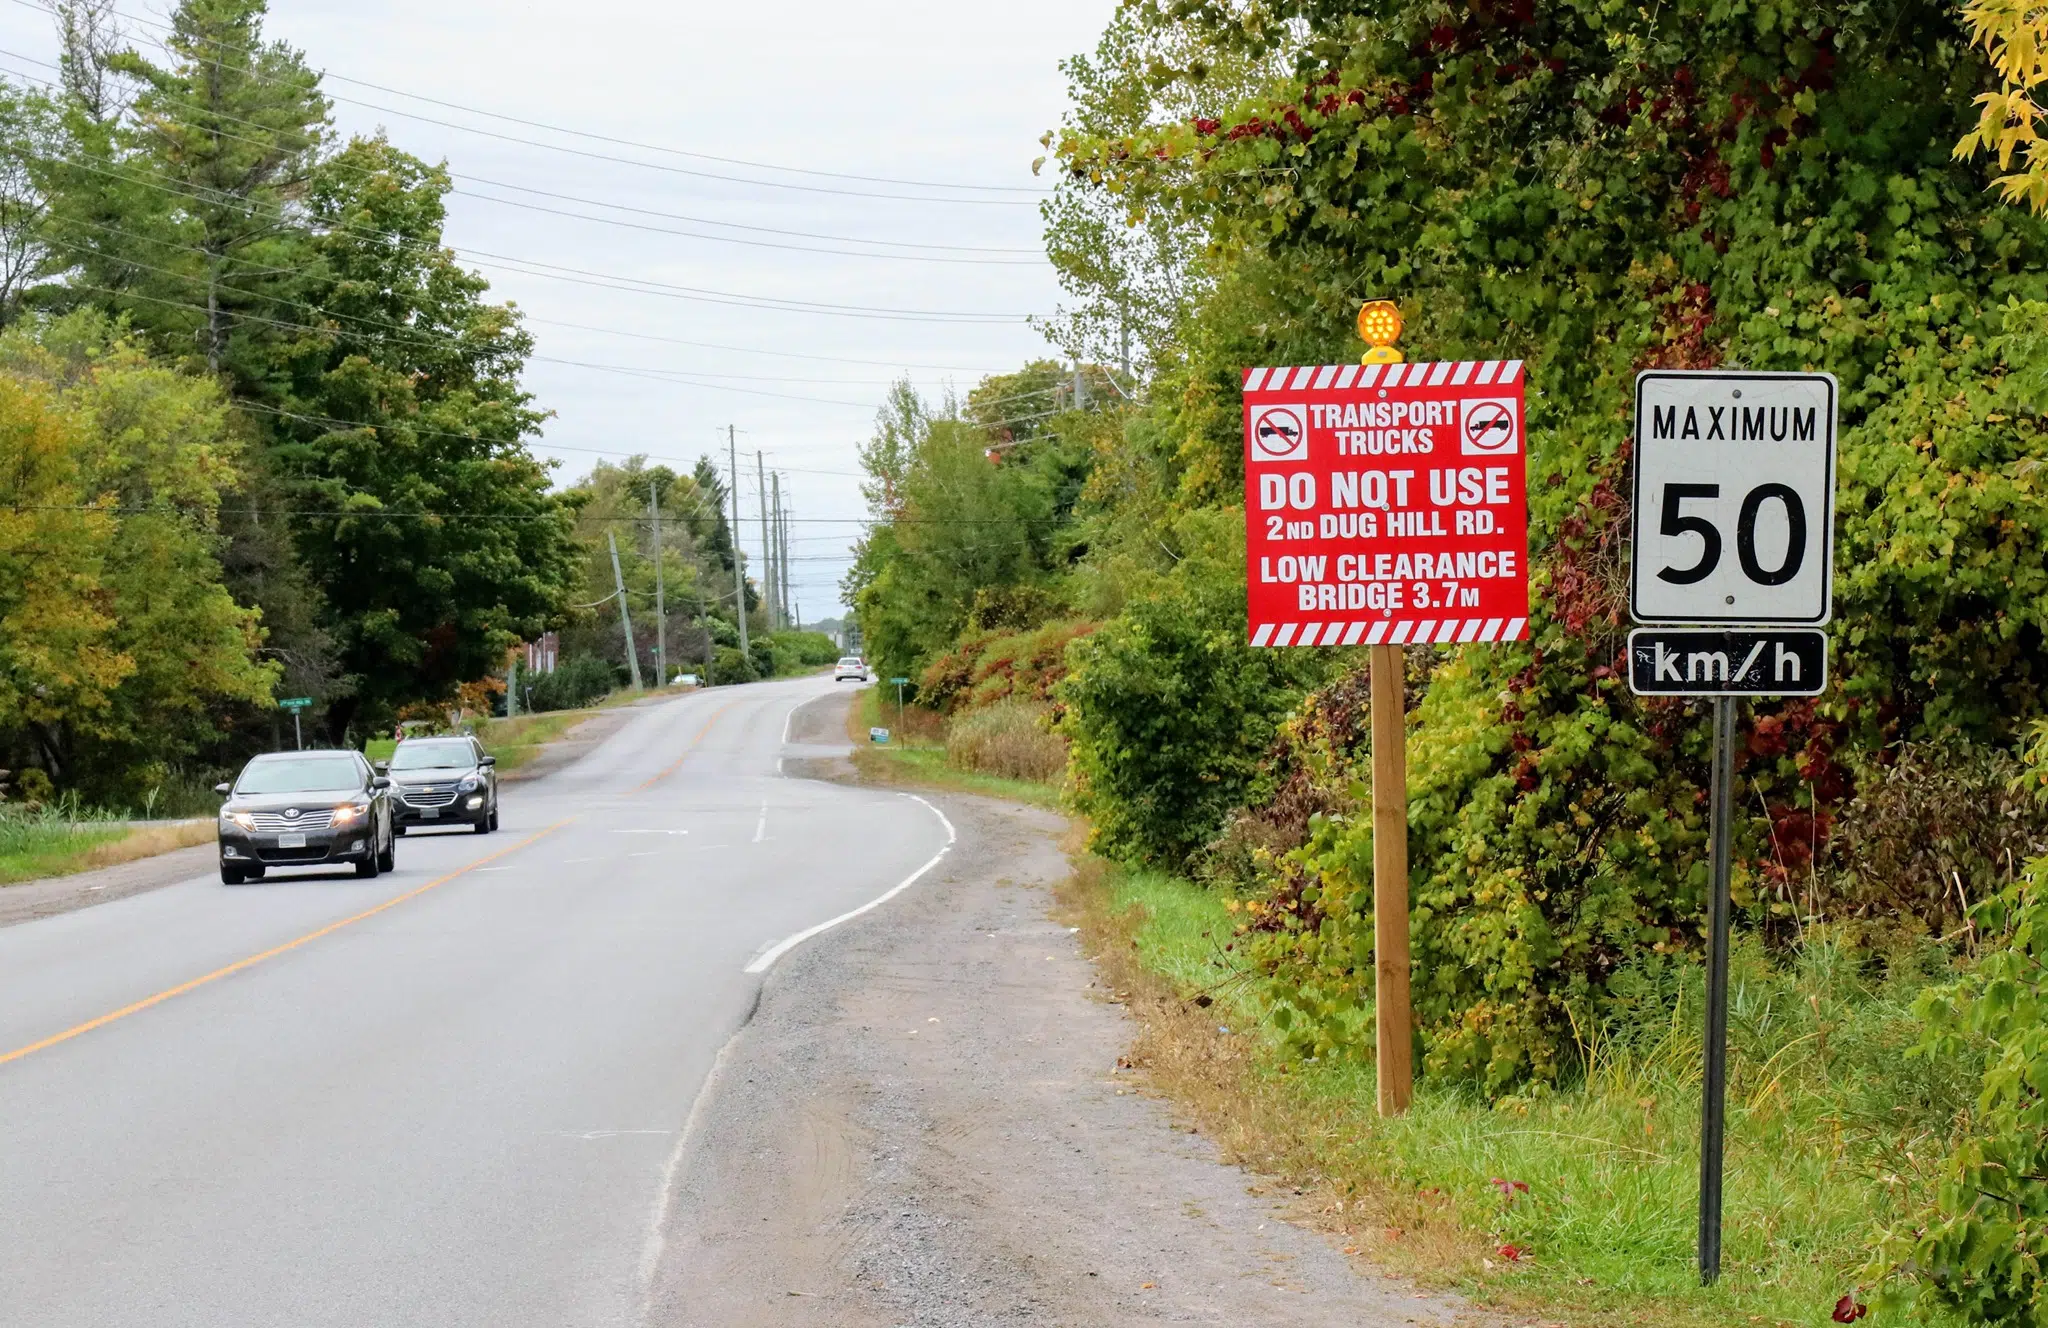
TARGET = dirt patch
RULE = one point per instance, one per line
(927, 1122)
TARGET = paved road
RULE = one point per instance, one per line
(461, 1108)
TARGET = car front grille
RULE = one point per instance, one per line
(277, 822)
(428, 795)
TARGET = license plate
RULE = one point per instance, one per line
(429, 813)
(291, 841)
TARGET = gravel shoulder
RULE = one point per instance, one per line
(924, 1123)
(60, 894)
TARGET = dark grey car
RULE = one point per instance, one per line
(444, 781)
(305, 809)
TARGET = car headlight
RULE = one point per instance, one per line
(243, 819)
(348, 812)
(470, 784)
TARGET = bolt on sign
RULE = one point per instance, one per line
(1386, 504)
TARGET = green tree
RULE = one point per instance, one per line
(1597, 192)
(422, 517)
(149, 456)
(225, 138)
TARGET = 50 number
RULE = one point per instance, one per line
(1675, 521)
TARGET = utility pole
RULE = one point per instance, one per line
(660, 595)
(781, 553)
(739, 560)
(767, 544)
(1080, 387)
(625, 618)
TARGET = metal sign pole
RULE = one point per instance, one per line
(1714, 1087)
(298, 734)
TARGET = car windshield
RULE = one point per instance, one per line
(432, 756)
(304, 774)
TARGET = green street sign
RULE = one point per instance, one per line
(900, 682)
(297, 703)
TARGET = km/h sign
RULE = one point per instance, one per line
(1681, 661)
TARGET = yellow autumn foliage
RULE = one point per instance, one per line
(2014, 34)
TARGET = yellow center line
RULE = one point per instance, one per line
(272, 953)
(694, 742)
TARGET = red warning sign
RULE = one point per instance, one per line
(1386, 503)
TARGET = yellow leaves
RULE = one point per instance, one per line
(2014, 34)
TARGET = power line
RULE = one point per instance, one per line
(439, 340)
(1032, 257)
(736, 225)
(608, 157)
(758, 244)
(576, 276)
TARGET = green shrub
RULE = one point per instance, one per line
(797, 650)
(1981, 1249)
(728, 665)
(578, 681)
(1009, 738)
(986, 667)
(1170, 710)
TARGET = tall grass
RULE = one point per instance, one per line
(1592, 1185)
(1009, 739)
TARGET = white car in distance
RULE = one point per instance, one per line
(853, 667)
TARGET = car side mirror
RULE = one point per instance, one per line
(380, 782)
(223, 789)
(381, 767)
(488, 760)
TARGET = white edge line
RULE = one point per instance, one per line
(774, 952)
(656, 1243)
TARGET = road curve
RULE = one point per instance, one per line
(448, 1096)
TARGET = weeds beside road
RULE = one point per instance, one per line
(1577, 1201)
(916, 753)
(55, 842)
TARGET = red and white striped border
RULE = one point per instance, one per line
(1401, 632)
(1423, 373)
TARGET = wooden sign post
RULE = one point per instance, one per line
(1379, 324)
(1386, 505)
(1391, 1017)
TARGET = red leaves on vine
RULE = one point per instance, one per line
(1849, 1309)
(1585, 581)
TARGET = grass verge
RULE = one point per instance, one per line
(33, 849)
(916, 754)
(1575, 1205)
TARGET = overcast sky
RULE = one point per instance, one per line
(941, 93)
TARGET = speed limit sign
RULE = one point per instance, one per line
(1734, 498)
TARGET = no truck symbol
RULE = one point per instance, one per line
(1280, 433)
(1488, 428)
